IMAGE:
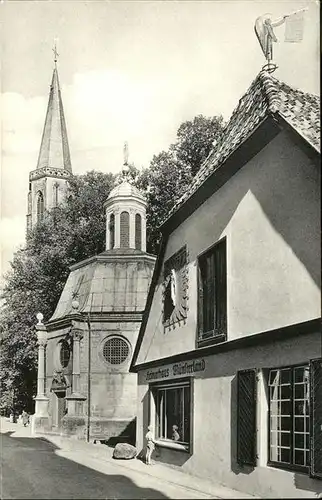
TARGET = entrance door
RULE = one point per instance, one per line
(60, 407)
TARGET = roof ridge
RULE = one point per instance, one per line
(269, 85)
(265, 97)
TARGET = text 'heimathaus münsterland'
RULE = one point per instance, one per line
(184, 368)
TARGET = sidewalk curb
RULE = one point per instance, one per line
(214, 491)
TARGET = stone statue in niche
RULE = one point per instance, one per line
(59, 380)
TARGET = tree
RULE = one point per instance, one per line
(171, 172)
(166, 180)
(195, 139)
(68, 234)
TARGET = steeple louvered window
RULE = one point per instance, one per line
(55, 194)
(40, 206)
(138, 232)
(124, 230)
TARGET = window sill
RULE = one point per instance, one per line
(289, 467)
(210, 340)
(172, 445)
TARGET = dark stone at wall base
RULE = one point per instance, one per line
(112, 431)
(124, 451)
(74, 426)
(40, 424)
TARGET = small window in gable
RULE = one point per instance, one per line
(124, 230)
(175, 288)
(138, 232)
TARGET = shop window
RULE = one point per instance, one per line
(111, 228)
(173, 413)
(40, 206)
(138, 232)
(116, 350)
(212, 295)
(175, 288)
(124, 230)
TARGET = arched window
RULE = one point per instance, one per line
(124, 230)
(112, 230)
(138, 231)
(40, 206)
(55, 194)
(64, 353)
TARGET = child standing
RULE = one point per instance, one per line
(150, 445)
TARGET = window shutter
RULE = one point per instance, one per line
(246, 417)
(221, 288)
(200, 303)
(316, 418)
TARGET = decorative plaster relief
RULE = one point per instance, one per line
(175, 288)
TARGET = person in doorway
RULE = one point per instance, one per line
(150, 445)
(175, 433)
(25, 418)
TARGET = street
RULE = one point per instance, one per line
(36, 468)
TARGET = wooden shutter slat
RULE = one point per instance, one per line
(246, 417)
(316, 418)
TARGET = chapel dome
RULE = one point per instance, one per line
(125, 189)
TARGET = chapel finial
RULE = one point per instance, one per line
(126, 153)
(126, 169)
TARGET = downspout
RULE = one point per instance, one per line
(88, 380)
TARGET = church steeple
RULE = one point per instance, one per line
(54, 149)
(47, 184)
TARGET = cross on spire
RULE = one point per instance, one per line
(55, 52)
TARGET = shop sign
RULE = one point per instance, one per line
(176, 370)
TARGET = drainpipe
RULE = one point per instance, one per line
(89, 379)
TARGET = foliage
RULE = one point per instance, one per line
(194, 140)
(167, 179)
(38, 273)
(172, 171)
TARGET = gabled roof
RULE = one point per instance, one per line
(266, 96)
(54, 149)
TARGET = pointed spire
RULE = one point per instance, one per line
(54, 149)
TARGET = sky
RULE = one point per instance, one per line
(129, 71)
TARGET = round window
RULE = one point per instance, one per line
(116, 350)
(64, 353)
